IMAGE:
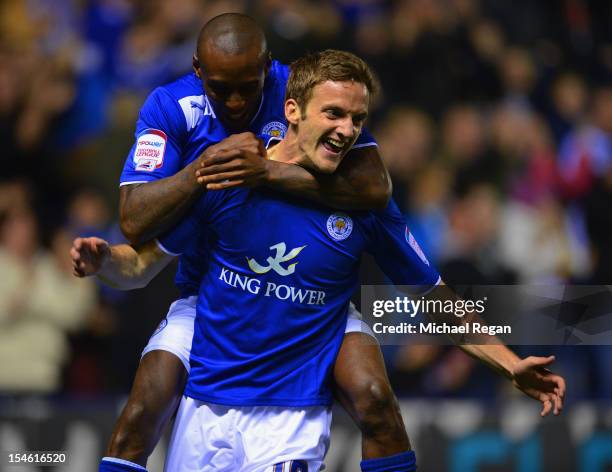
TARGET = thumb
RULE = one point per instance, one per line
(101, 246)
(533, 361)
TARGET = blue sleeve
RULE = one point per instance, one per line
(178, 239)
(365, 139)
(397, 252)
(160, 133)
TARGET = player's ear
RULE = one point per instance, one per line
(195, 63)
(292, 111)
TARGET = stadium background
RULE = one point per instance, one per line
(495, 120)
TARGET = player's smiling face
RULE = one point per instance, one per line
(331, 122)
(233, 84)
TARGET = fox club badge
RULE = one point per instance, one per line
(339, 226)
(275, 129)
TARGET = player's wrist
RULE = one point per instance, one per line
(191, 175)
(271, 173)
(107, 255)
(510, 367)
(268, 173)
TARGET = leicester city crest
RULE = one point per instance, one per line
(339, 226)
(276, 129)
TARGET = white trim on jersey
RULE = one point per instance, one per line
(258, 110)
(194, 108)
(121, 184)
(273, 138)
(166, 250)
(362, 145)
(116, 460)
(438, 282)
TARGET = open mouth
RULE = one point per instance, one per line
(333, 145)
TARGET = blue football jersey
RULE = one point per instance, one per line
(272, 307)
(177, 123)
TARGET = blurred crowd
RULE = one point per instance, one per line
(494, 119)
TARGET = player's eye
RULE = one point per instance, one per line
(248, 89)
(333, 113)
(219, 89)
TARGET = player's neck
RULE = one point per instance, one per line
(288, 151)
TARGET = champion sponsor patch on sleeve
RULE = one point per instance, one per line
(150, 148)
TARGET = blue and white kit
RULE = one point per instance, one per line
(271, 315)
(273, 304)
(175, 125)
(273, 301)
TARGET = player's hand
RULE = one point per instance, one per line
(238, 160)
(88, 256)
(531, 376)
(247, 141)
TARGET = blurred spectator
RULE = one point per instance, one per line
(465, 147)
(537, 240)
(586, 152)
(470, 249)
(406, 140)
(40, 302)
(426, 215)
(518, 76)
(597, 207)
(569, 101)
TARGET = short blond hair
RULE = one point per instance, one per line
(318, 67)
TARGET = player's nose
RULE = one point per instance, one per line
(235, 103)
(345, 128)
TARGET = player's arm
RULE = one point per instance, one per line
(401, 258)
(148, 209)
(530, 375)
(122, 266)
(361, 181)
(157, 188)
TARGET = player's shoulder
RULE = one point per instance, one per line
(185, 96)
(186, 92)
(388, 216)
(279, 73)
(185, 86)
(169, 95)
